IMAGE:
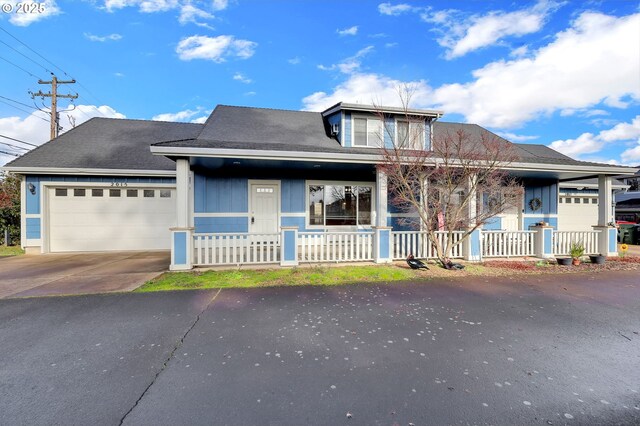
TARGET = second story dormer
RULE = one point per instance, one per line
(369, 126)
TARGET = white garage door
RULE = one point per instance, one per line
(102, 219)
(577, 212)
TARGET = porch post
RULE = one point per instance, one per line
(182, 233)
(289, 246)
(543, 241)
(381, 198)
(472, 245)
(382, 244)
(608, 238)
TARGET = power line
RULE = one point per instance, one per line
(55, 66)
(18, 140)
(24, 110)
(19, 67)
(27, 46)
(22, 54)
(19, 103)
(13, 146)
(9, 153)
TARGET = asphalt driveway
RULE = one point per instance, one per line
(78, 273)
(522, 350)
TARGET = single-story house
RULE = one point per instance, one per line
(255, 185)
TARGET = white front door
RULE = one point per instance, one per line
(263, 217)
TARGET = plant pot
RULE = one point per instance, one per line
(564, 261)
(575, 261)
(597, 259)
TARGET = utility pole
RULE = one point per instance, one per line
(54, 100)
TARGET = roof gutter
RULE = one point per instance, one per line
(346, 157)
(87, 172)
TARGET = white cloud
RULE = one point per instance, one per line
(520, 51)
(589, 143)
(216, 49)
(198, 115)
(48, 7)
(395, 10)
(351, 64)
(185, 115)
(219, 4)
(573, 71)
(145, 6)
(200, 120)
(367, 89)
(189, 11)
(348, 31)
(516, 138)
(102, 39)
(118, 74)
(191, 14)
(461, 36)
(294, 61)
(35, 127)
(250, 93)
(242, 78)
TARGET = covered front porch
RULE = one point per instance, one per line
(239, 211)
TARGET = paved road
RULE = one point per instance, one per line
(541, 350)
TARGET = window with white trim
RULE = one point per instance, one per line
(339, 205)
(410, 134)
(367, 132)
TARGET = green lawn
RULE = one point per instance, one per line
(274, 277)
(10, 251)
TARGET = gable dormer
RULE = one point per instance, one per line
(368, 126)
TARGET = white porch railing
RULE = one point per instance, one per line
(335, 246)
(417, 243)
(562, 241)
(235, 249)
(507, 243)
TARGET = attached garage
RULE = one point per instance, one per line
(577, 211)
(103, 218)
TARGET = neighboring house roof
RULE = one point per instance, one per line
(108, 143)
(592, 183)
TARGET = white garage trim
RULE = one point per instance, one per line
(48, 188)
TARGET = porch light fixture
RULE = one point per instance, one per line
(32, 189)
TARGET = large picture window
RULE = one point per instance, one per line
(339, 205)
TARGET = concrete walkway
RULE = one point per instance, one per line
(78, 273)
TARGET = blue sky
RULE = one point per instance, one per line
(564, 74)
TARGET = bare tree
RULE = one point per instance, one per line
(456, 181)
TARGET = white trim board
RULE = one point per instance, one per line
(245, 214)
(88, 171)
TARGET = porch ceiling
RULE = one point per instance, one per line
(282, 168)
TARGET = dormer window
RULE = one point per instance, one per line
(410, 134)
(367, 132)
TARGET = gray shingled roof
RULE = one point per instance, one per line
(234, 127)
(103, 143)
(107, 143)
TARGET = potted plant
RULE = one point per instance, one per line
(576, 251)
(597, 259)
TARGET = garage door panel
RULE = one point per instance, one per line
(110, 223)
